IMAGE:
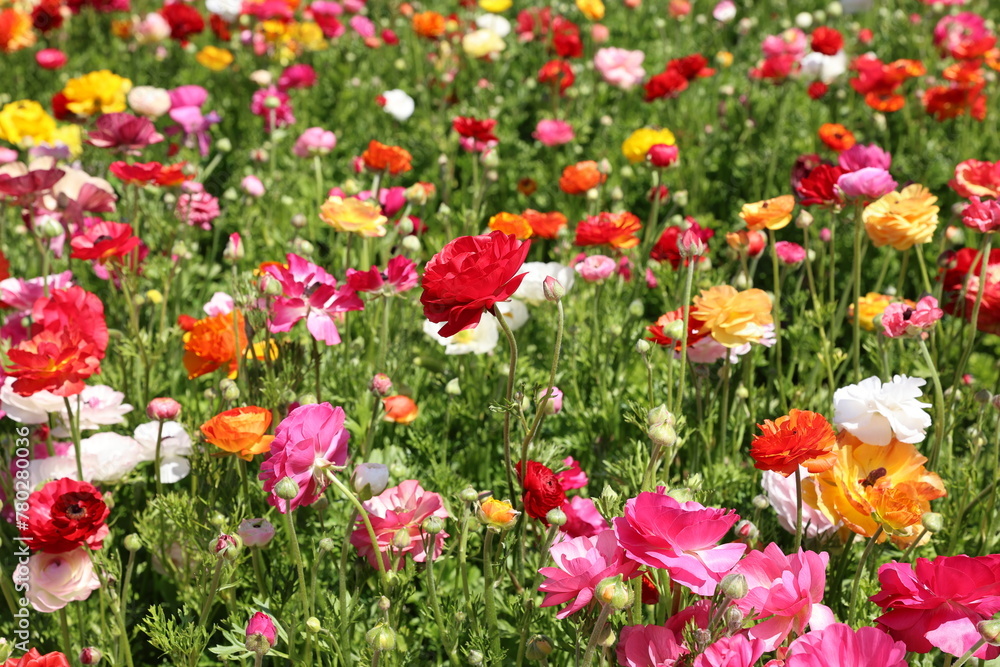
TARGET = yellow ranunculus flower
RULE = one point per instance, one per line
(640, 141)
(724, 58)
(592, 9)
(733, 318)
(26, 119)
(497, 514)
(511, 223)
(902, 219)
(481, 43)
(214, 58)
(96, 92)
(309, 36)
(353, 215)
(70, 136)
(496, 6)
(274, 31)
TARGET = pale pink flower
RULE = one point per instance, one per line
(255, 532)
(648, 646)
(982, 215)
(307, 444)
(553, 132)
(363, 26)
(735, 651)
(867, 183)
(314, 141)
(784, 590)
(197, 209)
(780, 492)
(595, 268)
(581, 564)
(901, 320)
(582, 518)
(791, 42)
(58, 579)
(790, 254)
(96, 406)
(682, 538)
(838, 645)
(310, 293)
(252, 186)
(725, 11)
(620, 67)
(397, 513)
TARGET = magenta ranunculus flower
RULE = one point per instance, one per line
(197, 209)
(307, 443)
(648, 646)
(553, 132)
(860, 156)
(790, 254)
(314, 141)
(311, 293)
(620, 67)
(400, 275)
(297, 76)
(902, 320)
(838, 646)
(786, 590)
(735, 651)
(682, 538)
(124, 133)
(983, 216)
(396, 515)
(261, 624)
(868, 183)
(274, 106)
(581, 564)
(937, 603)
(582, 518)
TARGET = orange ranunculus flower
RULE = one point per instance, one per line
(612, 229)
(512, 223)
(16, 32)
(577, 178)
(902, 219)
(871, 486)
(429, 24)
(733, 318)
(353, 215)
(837, 137)
(214, 58)
(380, 157)
(800, 438)
(498, 514)
(211, 344)
(993, 59)
(872, 305)
(546, 225)
(241, 431)
(400, 409)
(769, 214)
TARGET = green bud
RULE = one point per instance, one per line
(636, 308)
(539, 647)
(132, 543)
(662, 435)
(401, 539)
(313, 625)
(642, 346)
(326, 544)
(734, 586)
(453, 388)
(476, 657)
(432, 525)
(613, 591)
(556, 517)
(286, 488)
(384, 604)
(223, 145)
(659, 415)
(468, 495)
(990, 631)
(733, 618)
(308, 399)
(381, 638)
(760, 502)
(932, 522)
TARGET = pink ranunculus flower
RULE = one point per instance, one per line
(272, 104)
(868, 183)
(790, 254)
(595, 268)
(261, 624)
(252, 186)
(982, 215)
(937, 603)
(724, 11)
(297, 76)
(400, 511)
(220, 304)
(620, 67)
(314, 141)
(976, 178)
(400, 276)
(20, 294)
(901, 320)
(363, 26)
(860, 156)
(736, 651)
(58, 579)
(310, 293)
(307, 444)
(838, 645)
(581, 564)
(599, 33)
(682, 538)
(255, 532)
(553, 132)
(50, 58)
(648, 646)
(582, 518)
(791, 42)
(780, 492)
(784, 590)
(197, 209)
(574, 477)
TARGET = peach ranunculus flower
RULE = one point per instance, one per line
(400, 409)
(733, 318)
(871, 486)
(512, 223)
(873, 304)
(902, 219)
(353, 215)
(771, 214)
(241, 431)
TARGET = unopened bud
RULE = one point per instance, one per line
(539, 647)
(227, 546)
(556, 517)
(804, 219)
(475, 658)
(370, 479)
(380, 385)
(313, 625)
(453, 388)
(659, 415)
(662, 435)
(760, 502)
(636, 308)
(286, 488)
(381, 638)
(932, 522)
(163, 409)
(990, 631)
(48, 227)
(299, 221)
(326, 544)
(468, 495)
(432, 525)
(132, 543)
(983, 396)
(702, 638)
(411, 244)
(674, 330)
(401, 539)
(747, 531)
(642, 346)
(90, 656)
(552, 289)
(734, 586)
(302, 247)
(733, 618)
(223, 145)
(613, 592)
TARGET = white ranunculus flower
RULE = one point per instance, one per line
(32, 409)
(175, 446)
(822, 67)
(530, 289)
(780, 491)
(875, 413)
(108, 457)
(228, 10)
(398, 104)
(494, 22)
(58, 579)
(478, 340)
(98, 405)
(149, 101)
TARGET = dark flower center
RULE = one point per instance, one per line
(873, 477)
(75, 512)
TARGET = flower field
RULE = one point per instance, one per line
(639, 333)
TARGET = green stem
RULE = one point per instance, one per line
(856, 586)
(974, 319)
(968, 654)
(157, 457)
(74, 427)
(798, 509)
(297, 559)
(856, 342)
(363, 513)
(688, 281)
(492, 626)
(938, 405)
(540, 410)
(435, 603)
(207, 607)
(595, 636)
(64, 633)
(508, 396)
(776, 271)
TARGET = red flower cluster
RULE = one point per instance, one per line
(474, 128)
(35, 659)
(674, 80)
(961, 272)
(184, 20)
(557, 72)
(145, 173)
(68, 341)
(666, 249)
(64, 515)
(543, 490)
(879, 82)
(469, 276)
(612, 229)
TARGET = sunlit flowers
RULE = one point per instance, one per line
(731, 317)
(617, 230)
(770, 214)
(354, 215)
(396, 515)
(391, 159)
(96, 92)
(580, 564)
(513, 224)
(877, 412)
(215, 342)
(902, 219)
(800, 438)
(900, 319)
(241, 431)
(639, 142)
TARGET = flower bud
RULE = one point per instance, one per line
(642, 346)
(229, 390)
(411, 244)
(496, 514)
(401, 539)
(804, 220)
(554, 404)
(223, 145)
(539, 647)
(760, 502)
(303, 247)
(286, 488)
(490, 159)
(475, 658)
(983, 396)
(932, 522)
(990, 631)
(702, 638)
(659, 415)
(380, 385)
(733, 618)
(132, 543)
(299, 221)
(261, 634)
(552, 289)
(163, 409)
(556, 517)
(313, 625)
(369, 479)
(432, 525)
(48, 227)
(227, 546)
(381, 638)
(327, 545)
(235, 249)
(734, 586)
(6, 649)
(384, 604)
(453, 388)
(255, 532)
(746, 531)
(468, 495)
(613, 591)
(90, 656)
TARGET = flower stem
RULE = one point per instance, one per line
(157, 457)
(856, 344)
(64, 632)
(547, 395)
(74, 427)
(213, 588)
(595, 636)
(688, 281)
(368, 526)
(968, 654)
(974, 318)
(938, 405)
(449, 646)
(776, 270)
(297, 559)
(798, 509)
(508, 396)
(856, 586)
(492, 627)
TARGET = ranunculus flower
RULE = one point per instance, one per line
(481, 43)
(900, 319)
(580, 564)
(470, 276)
(60, 578)
(962, 273)
(616, 230)
(620, 67)
(735, 651)
(733, 318)
(800, 438)
(976, 178)
(381, 157)
(530, 290)
(789, 254)
(398, 104)
(479, 339)
(780, 492)
(262, 625)
(314, 141)
(859, 156)
(876, 413)
(241, 431)
(902, 219)
(312, 294)
(838, 645)
(63, 515)
(553, 132)
(648, 646)
(595, 268)
(34, 659)
(50, 58)
(396, 515)
(983, 216)
(868, 183)
(353, 215)
(773, 214)
(542, 489)
(682, 538)
(255, 532)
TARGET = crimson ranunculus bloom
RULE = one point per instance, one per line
(73, 308)
(35, 659)
(542, 489)
(184, 20)
(54, 361)
(104, 241)
(827, 41)
(937, 603)
(475, 128)
(469, 276)
(138, 173)
(666, 249)
(961, 269)
(63, 515)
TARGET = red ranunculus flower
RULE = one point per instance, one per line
(545, 225)
(669, 83)
(474, 128)
(801, 438)
(817, 187)
(469, 276)
(104, 241)
(65, 514)
(542, 489)
(566, 38)
(4, 270)
(666, 250)
(73, 309)
(184, 20)
(960, 269)
(35, 659)
(138, 173)
(557, 72)
(612, 229)
(827, 41)
(937, 603)
(58, 362)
